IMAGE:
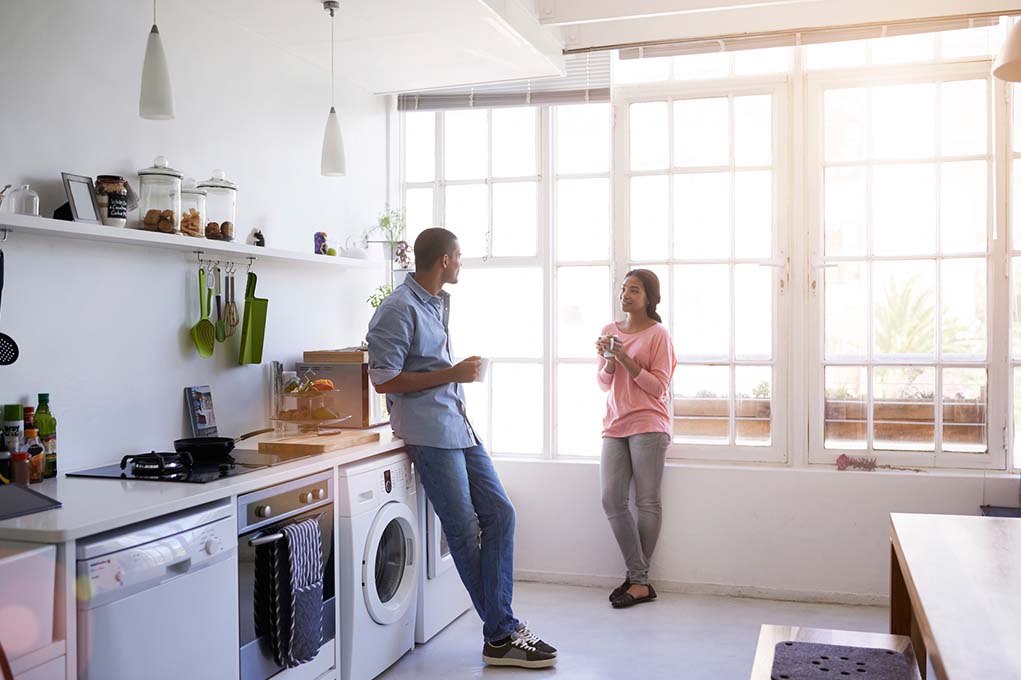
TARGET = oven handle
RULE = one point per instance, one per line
(263, 539)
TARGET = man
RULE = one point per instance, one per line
(410, 362)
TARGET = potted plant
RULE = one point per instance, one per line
(391, 225)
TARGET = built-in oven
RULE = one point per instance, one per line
(261, 515)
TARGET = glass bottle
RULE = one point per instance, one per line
(36, 454)
(21, 201)
(47, 424)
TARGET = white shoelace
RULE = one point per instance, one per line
(521, 642)
(527, 635)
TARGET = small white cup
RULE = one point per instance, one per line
(483, 369)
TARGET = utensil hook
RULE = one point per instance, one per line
(6, 231)
(251, 261)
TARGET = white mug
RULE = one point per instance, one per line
(608, 353)
(483, 369)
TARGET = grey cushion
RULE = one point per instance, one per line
(815, 661)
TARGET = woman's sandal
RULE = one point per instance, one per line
(620, 590)
(626, 599)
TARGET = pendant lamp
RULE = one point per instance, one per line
(333, 163)
(156, 99)
(1008, 61)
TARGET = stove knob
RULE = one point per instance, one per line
(263, 511)
(320, 494)
(306, 497)
(211, 546)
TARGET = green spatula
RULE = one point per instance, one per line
(203, 333)
(253, 325)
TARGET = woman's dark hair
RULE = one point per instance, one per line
(650, 282)
(431, 245)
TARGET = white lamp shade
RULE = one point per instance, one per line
(1008, 61)
(333, 164)
(156, 100)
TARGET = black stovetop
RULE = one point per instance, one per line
(170, 467)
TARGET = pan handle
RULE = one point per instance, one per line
(249, 435)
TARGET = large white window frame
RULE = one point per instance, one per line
(998, 321)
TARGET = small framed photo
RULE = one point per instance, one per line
(81, 198)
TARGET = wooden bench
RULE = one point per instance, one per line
(770, 635)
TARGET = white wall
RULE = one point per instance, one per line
(104, 328)
(772, 531)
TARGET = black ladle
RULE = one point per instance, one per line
(9, 352)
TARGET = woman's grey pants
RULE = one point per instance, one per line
(641, 457)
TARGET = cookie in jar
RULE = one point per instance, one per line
(160, 204)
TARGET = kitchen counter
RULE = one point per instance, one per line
(92, 506)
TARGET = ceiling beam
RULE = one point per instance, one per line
(562, 12)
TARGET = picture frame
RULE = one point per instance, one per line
(81, 198)
(199, 401)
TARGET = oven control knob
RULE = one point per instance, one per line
(263, 511)
(306, 497)
(320, 494)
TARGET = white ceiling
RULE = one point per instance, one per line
(403, 45)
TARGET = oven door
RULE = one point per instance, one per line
(438, 559)
(257, 662)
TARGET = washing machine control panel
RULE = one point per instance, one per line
(398, 478)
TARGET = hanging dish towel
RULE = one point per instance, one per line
(289, 593)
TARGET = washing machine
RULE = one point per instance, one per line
(441, 594)
(378, 554)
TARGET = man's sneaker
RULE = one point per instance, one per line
(531, 638)
(516, 652)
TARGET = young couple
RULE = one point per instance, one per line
(410, 361)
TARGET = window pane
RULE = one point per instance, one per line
(753, 389)
(903, 412)
(418, 212)
(765, 60)
(708, 65)
(845, 199)
(753, 311)
(904, 314)
(903, 121)
(845, 123)
(466, 144)
(1015, 204)
(514, 148)
(650, 148)
(476, 401)
(514, 219)
(484, 300)
(963, 117)
(1017, 417)
(701, 136)
(963, 296)
(964, 207)
(1015, 307)
(836, 55)
(968, 42)
(964, 410)
(702, 404)
(583, 308)
(846, 418)
(753, 130)
(649, 217)
(467, 211)
(517, 408)
(904, 48)
(583, 138)
(581, 406)
(702, 310)
(645, 70)
(753, 214)
(702, 215)
(1015, 122)
(419, 146)
(583, 219)
(846, 309)
(904, 209)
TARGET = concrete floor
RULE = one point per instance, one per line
(680, 637)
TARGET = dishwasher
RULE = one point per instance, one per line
(156, 599)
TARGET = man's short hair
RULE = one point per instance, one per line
(431, 245)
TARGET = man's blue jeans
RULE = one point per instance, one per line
(478, 520)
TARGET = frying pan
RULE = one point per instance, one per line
(204, 449)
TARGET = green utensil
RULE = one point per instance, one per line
(221, 327)
(253, 325)
(203, 333)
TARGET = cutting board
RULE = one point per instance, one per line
(311, 443)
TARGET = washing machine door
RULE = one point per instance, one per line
(389, 580)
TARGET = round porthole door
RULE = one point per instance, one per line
(389, 580)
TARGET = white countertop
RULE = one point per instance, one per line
(92, 505)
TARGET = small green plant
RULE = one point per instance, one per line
(380, 294)
(391, 224)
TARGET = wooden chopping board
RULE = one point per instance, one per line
(311, 443)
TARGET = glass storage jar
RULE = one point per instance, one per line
(193, 209)
(221, 206)
(160, 206)
(112, 199)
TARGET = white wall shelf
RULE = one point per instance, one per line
(12, 225)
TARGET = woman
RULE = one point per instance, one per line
(636, 363)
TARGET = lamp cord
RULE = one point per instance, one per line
(153, 12)
(333, 50)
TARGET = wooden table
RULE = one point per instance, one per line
(955, 589)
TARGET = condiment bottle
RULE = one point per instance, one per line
(36, 454)
(21, 468)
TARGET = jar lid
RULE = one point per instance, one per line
(160, 167)
(20, 456)
(219, 181)
(110, 179)
(14, 412)
(191, 188)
